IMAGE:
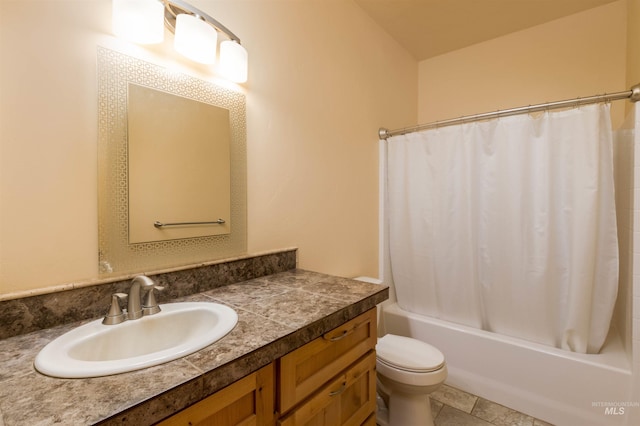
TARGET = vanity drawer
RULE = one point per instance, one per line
(247, 402)
(310, 367)
(349, 399)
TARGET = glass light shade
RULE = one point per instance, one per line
(195, 39)
(233, 61)
(139, 21)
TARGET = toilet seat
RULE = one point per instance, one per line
(408, 354)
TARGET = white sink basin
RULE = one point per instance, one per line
(94, 349)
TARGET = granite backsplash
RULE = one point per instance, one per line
(85, 301)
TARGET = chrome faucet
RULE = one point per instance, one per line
(141, 288)
(139, 285)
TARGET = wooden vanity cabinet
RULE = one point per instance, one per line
(247, 402)
(348, 399)
(331, 380)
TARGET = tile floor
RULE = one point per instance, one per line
(451, 406)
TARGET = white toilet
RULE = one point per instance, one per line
(408, 371)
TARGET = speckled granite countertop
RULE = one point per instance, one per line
(277, 313)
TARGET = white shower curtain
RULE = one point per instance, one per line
(508, 225)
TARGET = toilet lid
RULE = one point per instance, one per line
(408, 354)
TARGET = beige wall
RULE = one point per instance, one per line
(580, 55)
(322, 79)
(633, 42)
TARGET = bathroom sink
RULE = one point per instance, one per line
(95, 349)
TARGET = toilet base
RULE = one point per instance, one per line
(409, 410)
(403, 410)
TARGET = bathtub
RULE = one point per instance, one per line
(557, 386)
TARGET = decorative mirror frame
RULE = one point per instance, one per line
(116, 255)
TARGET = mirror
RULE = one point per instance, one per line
(171, 149)
(178, 167)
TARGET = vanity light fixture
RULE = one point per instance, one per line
(233, 61)
(139, 21)
(196, 33)
(195, 39)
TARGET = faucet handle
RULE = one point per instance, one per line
(149, 304)
(115, 314)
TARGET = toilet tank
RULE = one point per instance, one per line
(371, 280)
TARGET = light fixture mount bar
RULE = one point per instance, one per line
(175, 7)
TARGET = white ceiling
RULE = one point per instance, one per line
(427, 28)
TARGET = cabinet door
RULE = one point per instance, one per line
(371, 421)
(247, 402)
(349, 399)
(308, 368)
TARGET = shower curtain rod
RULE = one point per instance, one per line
(632, 94)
